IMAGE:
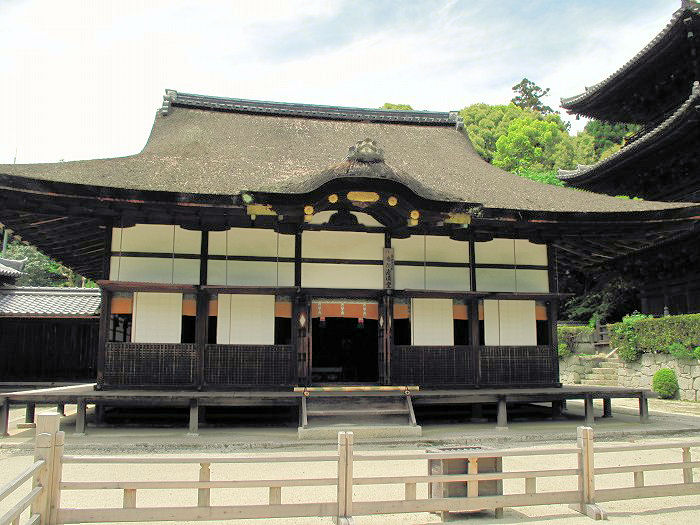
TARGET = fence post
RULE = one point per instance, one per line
(586, 476)
(204, 495)
(48, 442)
(345, 442)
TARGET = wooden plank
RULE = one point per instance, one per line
(473, 485)
(180, 514)
(687, 472)
(19, 507)
(129, 500)
(467, 454)
(21, 478)
(639, 478)
(204, 459)
(530, 485)
(410, 491)
(464, 504)
(650, 491)
(645, 446)
(191, 484)
(204, 494)
(648, 467)
(275, 496)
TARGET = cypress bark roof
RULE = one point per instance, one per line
(679, 131)
(653, 82)
(217, 146)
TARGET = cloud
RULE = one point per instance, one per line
(83, 79)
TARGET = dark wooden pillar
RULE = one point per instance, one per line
(4, 416)
(297, 259)
(643, 408)
(474, 336)
(553, 312)
(588, 410)
(386, 337)
(301, 334)
(105, 316)
(81, 417)
(607, 407)
(502, 415)
(29, 413)
(202, 319)
(194, 418)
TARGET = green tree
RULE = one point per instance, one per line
(528, 95)
(41, 270)
(529, 144)
(389, 105)
(607, 135)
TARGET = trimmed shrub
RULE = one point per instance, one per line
(640, 334)
(569, 335)
(665, 383)
(680, 351)
(696, 352)
(563, 350)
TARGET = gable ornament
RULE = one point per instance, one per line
(366, 150)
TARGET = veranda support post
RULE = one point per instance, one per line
(586, 476)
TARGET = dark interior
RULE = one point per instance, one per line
(344, 350)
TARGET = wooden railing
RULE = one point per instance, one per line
(151, 364)
(250, 365)
(42, 499)
(583, 497)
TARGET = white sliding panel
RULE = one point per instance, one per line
(492, 329)
(497, 251)
(495, 280)
(531, 280)
(317, 275)
(157, 317)
(510, 323)
(246, 319)
(253, 242)
(432, 322)
(527, 252)
(518, 324)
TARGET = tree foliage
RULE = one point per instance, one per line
(607, 135)
(389, 105)
(41, 270)
(528, 95)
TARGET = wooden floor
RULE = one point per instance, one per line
(85, 394)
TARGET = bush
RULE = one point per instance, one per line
(640, 334)
(696, 352)
(563, 350)
(680, 351)
(665, 383)
(568, 335)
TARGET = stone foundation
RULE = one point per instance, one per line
(639, 374)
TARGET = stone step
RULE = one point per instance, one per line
(602, 377)
(598, 382)
(608, 369)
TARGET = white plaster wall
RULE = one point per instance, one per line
(365, 219)
(410, 249)
(531, 280)
(154, 270)
(342, 245)
(446, 278)
(431, 248)
(256, 242)
(496, 251)
(495, 280)
(409, 277)
(321, 275)
(156, 238)
(432, 322)
(245, 319)
(157, 317)
(527, 252)
(250, 273)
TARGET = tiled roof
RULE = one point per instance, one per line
(585, 173)
(32, 301)
(6, 271)
(687, 8)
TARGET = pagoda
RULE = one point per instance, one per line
(659, 89)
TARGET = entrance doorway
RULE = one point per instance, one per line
(344, 349)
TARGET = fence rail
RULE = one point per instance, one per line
(44, 498)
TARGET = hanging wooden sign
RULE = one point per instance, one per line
(388, 268)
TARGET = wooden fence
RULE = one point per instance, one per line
(45, 508)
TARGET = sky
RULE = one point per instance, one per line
(83, 79)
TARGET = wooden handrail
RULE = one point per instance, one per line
(24, 476)
(646, 446)
(186, 484)
(467, 454)
(18, 508)
(451, 478)
(197, 459)
(650, 467)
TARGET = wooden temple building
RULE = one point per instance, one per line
(659, 89)
(260, 246)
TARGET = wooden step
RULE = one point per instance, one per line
(358, 412)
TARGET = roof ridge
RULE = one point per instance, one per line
(240, 105)
(582, 169)
(56, 290)
(589, 90)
